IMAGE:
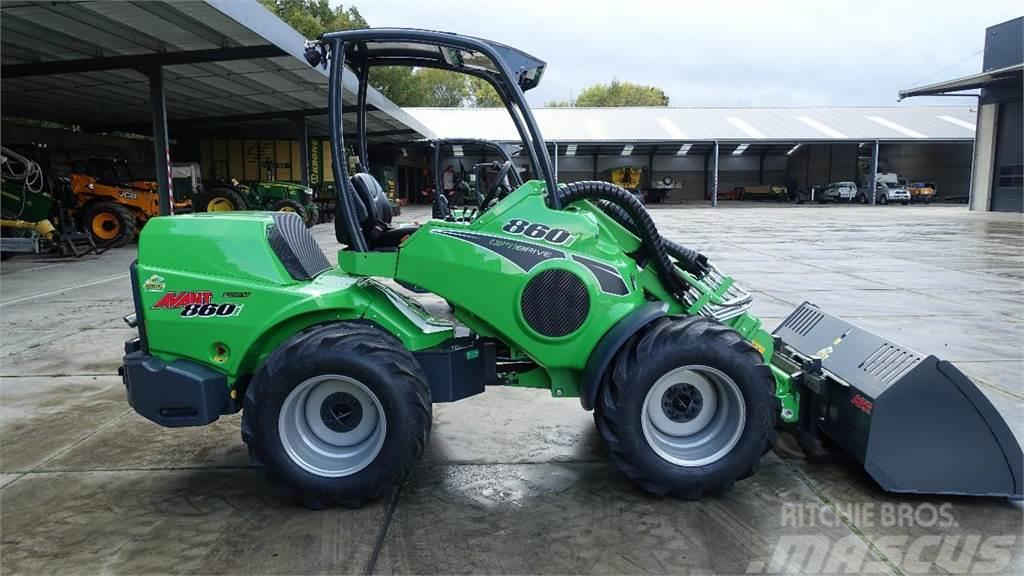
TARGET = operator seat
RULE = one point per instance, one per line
(374, 213)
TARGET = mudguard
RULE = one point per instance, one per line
(610, 343)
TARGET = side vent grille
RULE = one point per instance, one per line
(803, 320)
(295, 246)
(888, 363)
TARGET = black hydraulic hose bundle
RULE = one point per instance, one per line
(692, 261)
(623, 207)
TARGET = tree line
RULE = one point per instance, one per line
(441, 88)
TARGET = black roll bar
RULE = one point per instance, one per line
(505, 82)
(346, 227)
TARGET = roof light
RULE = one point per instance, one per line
(897, 127)
(740, 149)
(627, 149)
(457, 150)
(668, 126)
(958, 122)
(793, 149)
(746, 128)
(826, 130)
(683, 149)
(570, 150)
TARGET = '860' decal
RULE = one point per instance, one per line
(537, 231)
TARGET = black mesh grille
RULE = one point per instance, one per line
(295, 246)
(555, 303)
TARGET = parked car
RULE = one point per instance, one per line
(885, 192)
(922, 192)
(838, 192)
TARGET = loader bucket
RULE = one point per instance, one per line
(916, 423)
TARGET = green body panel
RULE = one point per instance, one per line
(215, 253)
(485, 287)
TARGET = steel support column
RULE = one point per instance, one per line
(874, 171)
(650, 168)
(161, 150)
(303, 150)
(555, 160)
(714, 180)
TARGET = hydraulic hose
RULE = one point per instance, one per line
(692, 261)
(633, 217)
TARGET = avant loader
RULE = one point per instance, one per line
(565, 288)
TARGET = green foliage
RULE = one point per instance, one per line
(314, 17)
(441, 87)
(560, 104)
(402, 85)
(616, 94)
(483, 94)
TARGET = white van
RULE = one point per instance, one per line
(839, 192)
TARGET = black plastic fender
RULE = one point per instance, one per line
(609, 345)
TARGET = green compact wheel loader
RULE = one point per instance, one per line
(567, 289)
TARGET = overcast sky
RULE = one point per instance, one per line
(777, 53)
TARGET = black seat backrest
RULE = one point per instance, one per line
(369, 192)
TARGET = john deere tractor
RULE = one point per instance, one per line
(567, 289)
(263, 195)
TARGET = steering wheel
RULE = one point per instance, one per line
(492, 191)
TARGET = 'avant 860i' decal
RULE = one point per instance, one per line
(197, 304)
(537, 231)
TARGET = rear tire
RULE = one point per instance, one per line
(292, 206)
(687, 378)
(218, 199)
(110, 224)
(339, 413)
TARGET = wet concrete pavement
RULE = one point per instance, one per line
(514, 481)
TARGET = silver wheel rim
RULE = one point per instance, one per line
(693, 416)
(332, 426)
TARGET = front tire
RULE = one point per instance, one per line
(339, 413)
(687, 408)
(111, 224)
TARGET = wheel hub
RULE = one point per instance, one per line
(682, 402)
(693, 415)
(341, 412)
(332, 425)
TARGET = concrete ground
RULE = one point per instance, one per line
(514, 481)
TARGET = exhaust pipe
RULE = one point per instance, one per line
(916, 423)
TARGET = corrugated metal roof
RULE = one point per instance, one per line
(701, 124)
(43, 32)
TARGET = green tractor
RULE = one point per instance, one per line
(275, 195)
(568, 289)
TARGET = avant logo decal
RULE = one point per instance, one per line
(154, 284)
(197, 304)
